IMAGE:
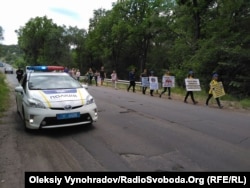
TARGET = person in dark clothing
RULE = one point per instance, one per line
(102, 75)
(151, 90)
(144, 74)
(96, 75)
(19, 74)
(190, 76)
(131, 77)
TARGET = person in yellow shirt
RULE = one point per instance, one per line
(210, 93)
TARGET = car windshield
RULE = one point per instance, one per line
(43, 82)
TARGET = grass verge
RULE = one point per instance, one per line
(4, 95)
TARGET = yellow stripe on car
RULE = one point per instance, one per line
(45, 98)
(78, 91)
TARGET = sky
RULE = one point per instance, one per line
(16, 13)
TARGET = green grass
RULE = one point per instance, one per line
(245, 103)
(4, 95)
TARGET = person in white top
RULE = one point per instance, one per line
(78, 74)
(114, 79)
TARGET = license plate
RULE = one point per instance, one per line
(68, 115)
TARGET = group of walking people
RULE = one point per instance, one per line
(168, 84)
(147, 79)
(213, 82)
(98, 76)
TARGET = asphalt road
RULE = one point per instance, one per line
(134, 132)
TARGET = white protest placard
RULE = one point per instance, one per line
(168, 81)
(153, 83)
(192, 84)
(144, 82)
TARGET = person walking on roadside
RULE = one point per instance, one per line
(166, 88)
(190, 93)
(102, 75)
(66, 70)
(97, 76)
(78, 74)
(210, 93)
(131, 77)
(144, 75)
(114, 79)
(153, 83)
(90, 75)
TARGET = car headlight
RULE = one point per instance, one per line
(35, 103)
(90, 100)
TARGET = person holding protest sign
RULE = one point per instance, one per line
(144, 80)
(153, 83)
(212, 84)
(189, 92)
(166, 84)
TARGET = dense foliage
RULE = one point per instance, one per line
(203, 35)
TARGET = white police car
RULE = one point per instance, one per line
(53, 99)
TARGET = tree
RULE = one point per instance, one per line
(43, 42)
(98, 39)
(206, 36)
(1, 33)
(77, 40)
(224, 45)
(1, 37)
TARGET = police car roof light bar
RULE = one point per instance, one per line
(45, 68)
